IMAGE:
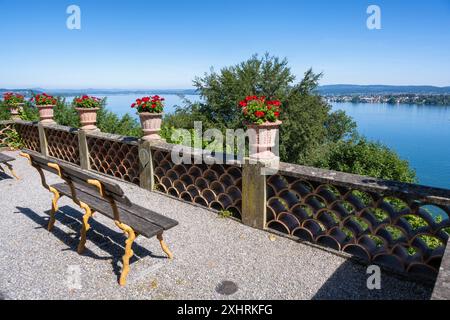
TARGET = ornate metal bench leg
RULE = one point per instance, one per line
(164, 246)
(128, 252)
(55, 199)
(85, 227)
(10, 168)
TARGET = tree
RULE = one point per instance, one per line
(311, 133)
(307, 120)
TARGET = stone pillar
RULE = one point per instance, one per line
(147, 180)
(83, 150)
(43, 140)
(253, 194)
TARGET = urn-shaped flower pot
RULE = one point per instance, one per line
(262, 138)
(46, 113)
(15, 109)
(45, 104)
(88, 118)
(87, 108)
(151, 125)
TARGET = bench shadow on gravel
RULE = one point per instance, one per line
(349, 282)
(99, 235)
(5, 176)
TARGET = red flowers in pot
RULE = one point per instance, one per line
(259, 110)
(87, 108)
(150, 111)
(261, 117)
(45, 104)
(15, 102)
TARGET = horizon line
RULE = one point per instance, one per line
(194, 89)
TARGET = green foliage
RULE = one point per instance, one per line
(66, 115)
(4, 111)
(108, 121)
(225, 214)
(29, 113)
(364, 157)
(267, 76)
(11, 139)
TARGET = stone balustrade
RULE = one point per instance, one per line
(404, 227)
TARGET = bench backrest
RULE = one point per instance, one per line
(78, 176)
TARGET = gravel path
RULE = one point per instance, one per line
(37, 264)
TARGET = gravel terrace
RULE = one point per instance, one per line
(37, 264)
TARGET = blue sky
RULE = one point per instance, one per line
(165, 44)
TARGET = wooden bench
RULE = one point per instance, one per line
(5, 159)
(95, 194)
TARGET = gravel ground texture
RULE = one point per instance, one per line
(215, 258)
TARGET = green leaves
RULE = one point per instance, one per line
(368, 158)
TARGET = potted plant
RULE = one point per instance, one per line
(261, 118)
(150, 111)
(45, 104)
(87, 108)
(15, 103)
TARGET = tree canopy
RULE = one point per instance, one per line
(311, 133)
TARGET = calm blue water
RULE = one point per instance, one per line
(121, 103)
(419, 134)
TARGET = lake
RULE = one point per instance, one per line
(419, 134)
(121, 103)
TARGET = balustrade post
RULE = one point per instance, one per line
(146, 177)
(253, 194)
(43, 140)
(83, 150)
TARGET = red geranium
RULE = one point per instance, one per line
(154, 104)
(87, 102)
(44, 100)
(259, 110)
(11, 98)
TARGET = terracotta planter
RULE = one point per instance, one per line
(88, 118)
(46, 114)
(151, 124)
(262, 138)
(15, 109)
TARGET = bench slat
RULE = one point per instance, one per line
(142, 226)
(5, 158)
(144, 213)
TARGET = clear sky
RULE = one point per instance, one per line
(165, 44)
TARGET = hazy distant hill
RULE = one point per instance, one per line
(76, 92)
(26, 92)
(335, 89)
(349, 89)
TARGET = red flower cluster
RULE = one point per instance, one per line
(259, 110)
(154, 104)
(13, 98)
(86, 101)
(44, 99)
